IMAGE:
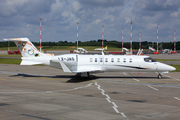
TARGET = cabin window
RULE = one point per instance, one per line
(112, 59)
(124, 60)
(95, 59)
(61, 58)
(130, 60)
(68, 59)
(106, 59)
(118, 60)
(72, 59)
(149, 59)
(101, 60)
(91, 60)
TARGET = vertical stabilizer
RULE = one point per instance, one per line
(26, 48)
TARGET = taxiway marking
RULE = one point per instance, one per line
(115, 109)
(177, 98)
(177, 79)
(77, 88)
(113, 103)
(168, 76)
(108, 100)
(153, 88)
(124, 73)
(174, 78)
(124, 115)
(136, 79)
(47, 91)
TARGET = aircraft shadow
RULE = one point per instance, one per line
(72, 78)
(48, 76)
(77, 78)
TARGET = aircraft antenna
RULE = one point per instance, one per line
(157, 39)
(122, 39)
(139, 40)
(40, 34)
(174, 40)
(131, 40)
(102, 36)
(77, 35)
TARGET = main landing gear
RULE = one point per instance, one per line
(159, 76)
(85, 75)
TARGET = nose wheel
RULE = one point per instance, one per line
(159, 76)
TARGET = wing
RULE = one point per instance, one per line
(82, 69)
(79, 69)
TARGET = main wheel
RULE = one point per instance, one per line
(159, 76)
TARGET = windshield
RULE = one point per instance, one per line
(149, 59)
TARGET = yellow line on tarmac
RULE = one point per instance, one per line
(30, 78)
(2, 79)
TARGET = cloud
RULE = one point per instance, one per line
(175, 14)
(20, 18)
(101, 3)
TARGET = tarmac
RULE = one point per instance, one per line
(45, 93)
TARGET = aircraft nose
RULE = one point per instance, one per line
(171, 68)
(165, 67)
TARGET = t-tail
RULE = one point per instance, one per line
(28, 50)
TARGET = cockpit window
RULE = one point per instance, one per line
(149, 59)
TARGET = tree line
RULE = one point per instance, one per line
(113, 43)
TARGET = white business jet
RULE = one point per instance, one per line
(86, 64)
(101, 49)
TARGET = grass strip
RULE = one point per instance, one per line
(164, 60)
(12, 55)
(177, 68)
(10, 61)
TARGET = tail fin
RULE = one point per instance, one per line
(26, 48)
(105, 48)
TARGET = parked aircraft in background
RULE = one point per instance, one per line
(152, 49)
(101, 49)
(80, 50)
(125, 49)
(87, 64)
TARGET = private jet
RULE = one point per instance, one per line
(101, 49)
(86, 64)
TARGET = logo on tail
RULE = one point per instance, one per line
(26, 48)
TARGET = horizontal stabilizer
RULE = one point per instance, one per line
(23, 62)
(17, 39)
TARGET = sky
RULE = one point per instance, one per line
(20, 18)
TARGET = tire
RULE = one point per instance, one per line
(159, 76)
